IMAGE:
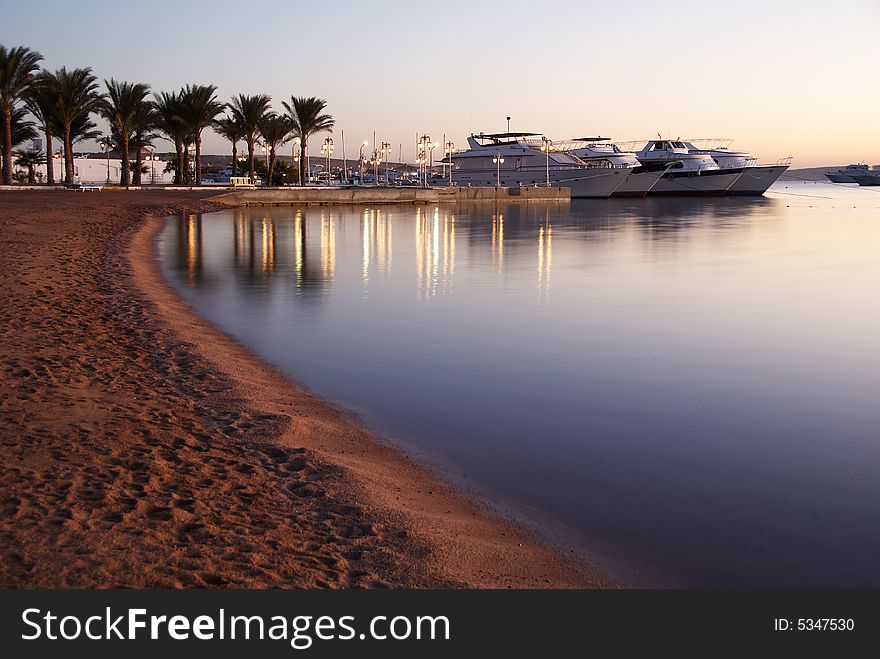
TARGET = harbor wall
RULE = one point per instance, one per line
(349, 196)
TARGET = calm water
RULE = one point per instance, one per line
(687, 387)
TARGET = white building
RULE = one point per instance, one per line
(94, 170)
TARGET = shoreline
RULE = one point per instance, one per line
(365, 514)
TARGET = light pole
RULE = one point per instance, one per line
(362, 161)
(426, 146)
(508, 125)
(546, 150)
(152, 157)
(375, 163)
(498, 160)
(106, 145)
(450, 147)
(267, 149)
(294, 157)
(327, 148)
(386, 152)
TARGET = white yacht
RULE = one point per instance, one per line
(669, 167)
(754, 178)
(520, 160)
(848, 174)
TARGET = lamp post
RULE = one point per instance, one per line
(375, 163)
(294, 157)
(508, 124)
(327, 149)
(362, 161)
(267, 149)
(386, 152)
(106, 145)
(546, 150)
(426, 146)
(498, 160)
(450, 147)
(152, 157)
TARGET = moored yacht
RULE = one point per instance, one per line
(754, 179)
(527, 160)
(669, 168)
(847, 174)
(870, 178)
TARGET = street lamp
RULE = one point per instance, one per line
(426, 146)
(267, 149)
(294, 156)
(498, 160)
(327, 149)
(106, 146)
(386, 151)
(362, 161)
(450, 147)
(548, 144)
(152, 158)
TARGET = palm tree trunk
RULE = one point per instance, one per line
(251, 157)
(302, 162)
(126, 166)
(50, 165)
(7, 147)
(138, 163)
(271, 167)
(178, 175)
(68, 156)
(198, 167)
(32, 178)
(234, 157)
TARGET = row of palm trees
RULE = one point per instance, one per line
(61, 103)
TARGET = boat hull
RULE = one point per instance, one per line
(840, 178)
(713, 183)
(868, 179)
(592, 183)
(754, 181)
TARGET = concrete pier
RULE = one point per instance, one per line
(350, 196)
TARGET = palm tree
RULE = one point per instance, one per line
(20, 130)
(168, 112)
(249, 112)
(29, 159)
(145, 122)
(230, 129)
(275, 130)
(78, 97)
(198, 109)
(41, 101)
(17, 68)
(307, 119)
(121, 107)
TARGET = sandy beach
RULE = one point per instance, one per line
(143, 448)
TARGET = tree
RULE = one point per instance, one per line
(29, 159)
(121, 107)
(228, 128)
(41, 101)
(198, 108)
(275, 130)
(168, 113)
(307, 119)
(17, 69)
(145, 123)
(20, 131)
(78, 97)
(249, 111)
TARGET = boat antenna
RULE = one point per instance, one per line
(659, 135)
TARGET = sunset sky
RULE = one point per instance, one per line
(780, 77)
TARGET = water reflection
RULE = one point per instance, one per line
(691, 381)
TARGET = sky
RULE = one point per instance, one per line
(780, 77)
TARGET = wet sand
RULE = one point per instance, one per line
(143, 448)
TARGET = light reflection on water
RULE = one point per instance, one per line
(691, 384)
